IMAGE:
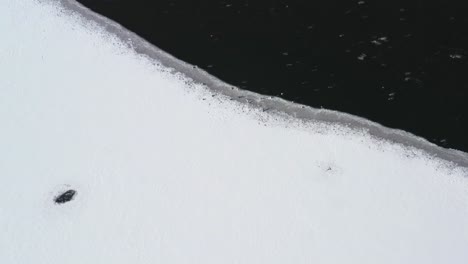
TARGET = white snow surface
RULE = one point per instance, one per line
(168, 171)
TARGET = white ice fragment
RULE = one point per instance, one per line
(456, 56)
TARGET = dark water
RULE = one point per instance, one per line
(402, 63)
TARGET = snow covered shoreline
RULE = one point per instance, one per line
(170, 165)
(272, 104)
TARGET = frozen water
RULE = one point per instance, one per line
(168, 170)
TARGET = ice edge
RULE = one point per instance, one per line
(274, 104)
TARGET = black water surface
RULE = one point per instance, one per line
(402, 63)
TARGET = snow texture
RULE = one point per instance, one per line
(169, 170)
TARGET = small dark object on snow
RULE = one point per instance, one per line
(65, 197)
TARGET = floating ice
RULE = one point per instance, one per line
(362, 56)
(172, 171)
(456, 56)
